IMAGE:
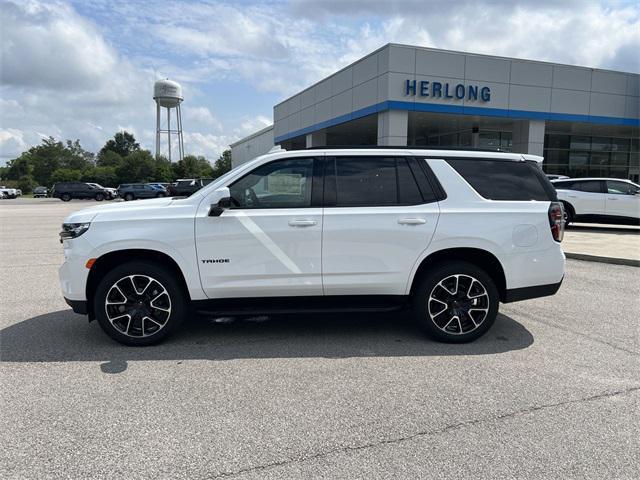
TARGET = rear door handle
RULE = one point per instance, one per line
(412, 221)
(302, 223)
(612, 198)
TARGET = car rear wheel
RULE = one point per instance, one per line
(456, 302)
(65, 197)
(99, 197)
(139, 303)
(128, 197)
(568, 213)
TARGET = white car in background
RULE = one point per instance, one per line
(599, 200)
(9, 192)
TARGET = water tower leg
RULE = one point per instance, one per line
(157, 130)
(180, 139)
(169, 130)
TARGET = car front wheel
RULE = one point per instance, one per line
(66, 197)
(128, 197)
(139, 303)
(456, 302)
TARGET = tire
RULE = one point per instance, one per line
(128, 197)
(99, 197)
(65, 197)
(153, 316)
(160, 195)
(568, 214)
(457, 322)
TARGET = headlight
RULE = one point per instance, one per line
(73, 230)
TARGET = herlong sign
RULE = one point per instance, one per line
(425, 88)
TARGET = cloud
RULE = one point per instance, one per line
(85, 69)
(48, 45)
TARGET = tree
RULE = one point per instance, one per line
(66, 175)
(105, 176)
(137, 167)
(26, 183)
(163, 171)
(192, 167)
(43, 160)
(223, 164)
(109, 158)
(123, 143)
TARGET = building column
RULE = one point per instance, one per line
(393, 126)
(528, 136)
(316, 139)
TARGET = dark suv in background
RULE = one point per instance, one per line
(186, 186)
(134, 191)
(66, 191)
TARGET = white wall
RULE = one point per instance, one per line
(252, 146)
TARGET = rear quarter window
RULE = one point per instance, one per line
(504, 179)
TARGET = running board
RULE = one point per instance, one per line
(284, 305)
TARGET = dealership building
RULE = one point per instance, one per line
(584, 121)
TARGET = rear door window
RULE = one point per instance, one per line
(503, 179)
(591, 186)
(374, 181)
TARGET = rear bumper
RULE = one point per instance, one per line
(526, 293)
(78, 306)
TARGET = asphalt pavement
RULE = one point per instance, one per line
(550, 392)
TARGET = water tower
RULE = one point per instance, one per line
(168, 94)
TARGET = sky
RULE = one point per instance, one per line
(85, 69)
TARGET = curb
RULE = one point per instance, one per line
(595, 258)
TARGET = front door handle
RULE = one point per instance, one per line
(412, 221)
(302, 223)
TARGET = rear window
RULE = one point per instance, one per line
(503, 180)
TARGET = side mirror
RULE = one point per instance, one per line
(217, 209)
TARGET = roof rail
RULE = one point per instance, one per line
(404, 147)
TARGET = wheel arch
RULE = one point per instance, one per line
(109, 260)
(476, 256)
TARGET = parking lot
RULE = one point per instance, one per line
(550, 392)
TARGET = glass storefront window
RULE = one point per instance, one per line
(600, 144)
(617, 172)
(635, 144)
(580, 143)
(558, 141)
(506, 142)
(557, 157)
(489, 140)
(620, 144)
(620, 159)
(465, 139)
(578, 164)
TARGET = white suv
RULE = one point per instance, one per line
(447, 233)
(602, 200)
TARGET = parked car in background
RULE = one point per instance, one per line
(112, 192)
(18, 192)
(66, 191)
(599, 200)
(553, 176)
(186, 186)
(40, 191)
(135, 191)
(9, 192)
(159, 184)
(2, 195)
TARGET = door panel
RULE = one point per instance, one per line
(259, 253)
(269, 242)
(372, 250)
(621, 200)
(376, 225)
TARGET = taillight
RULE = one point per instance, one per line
(556, 220)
